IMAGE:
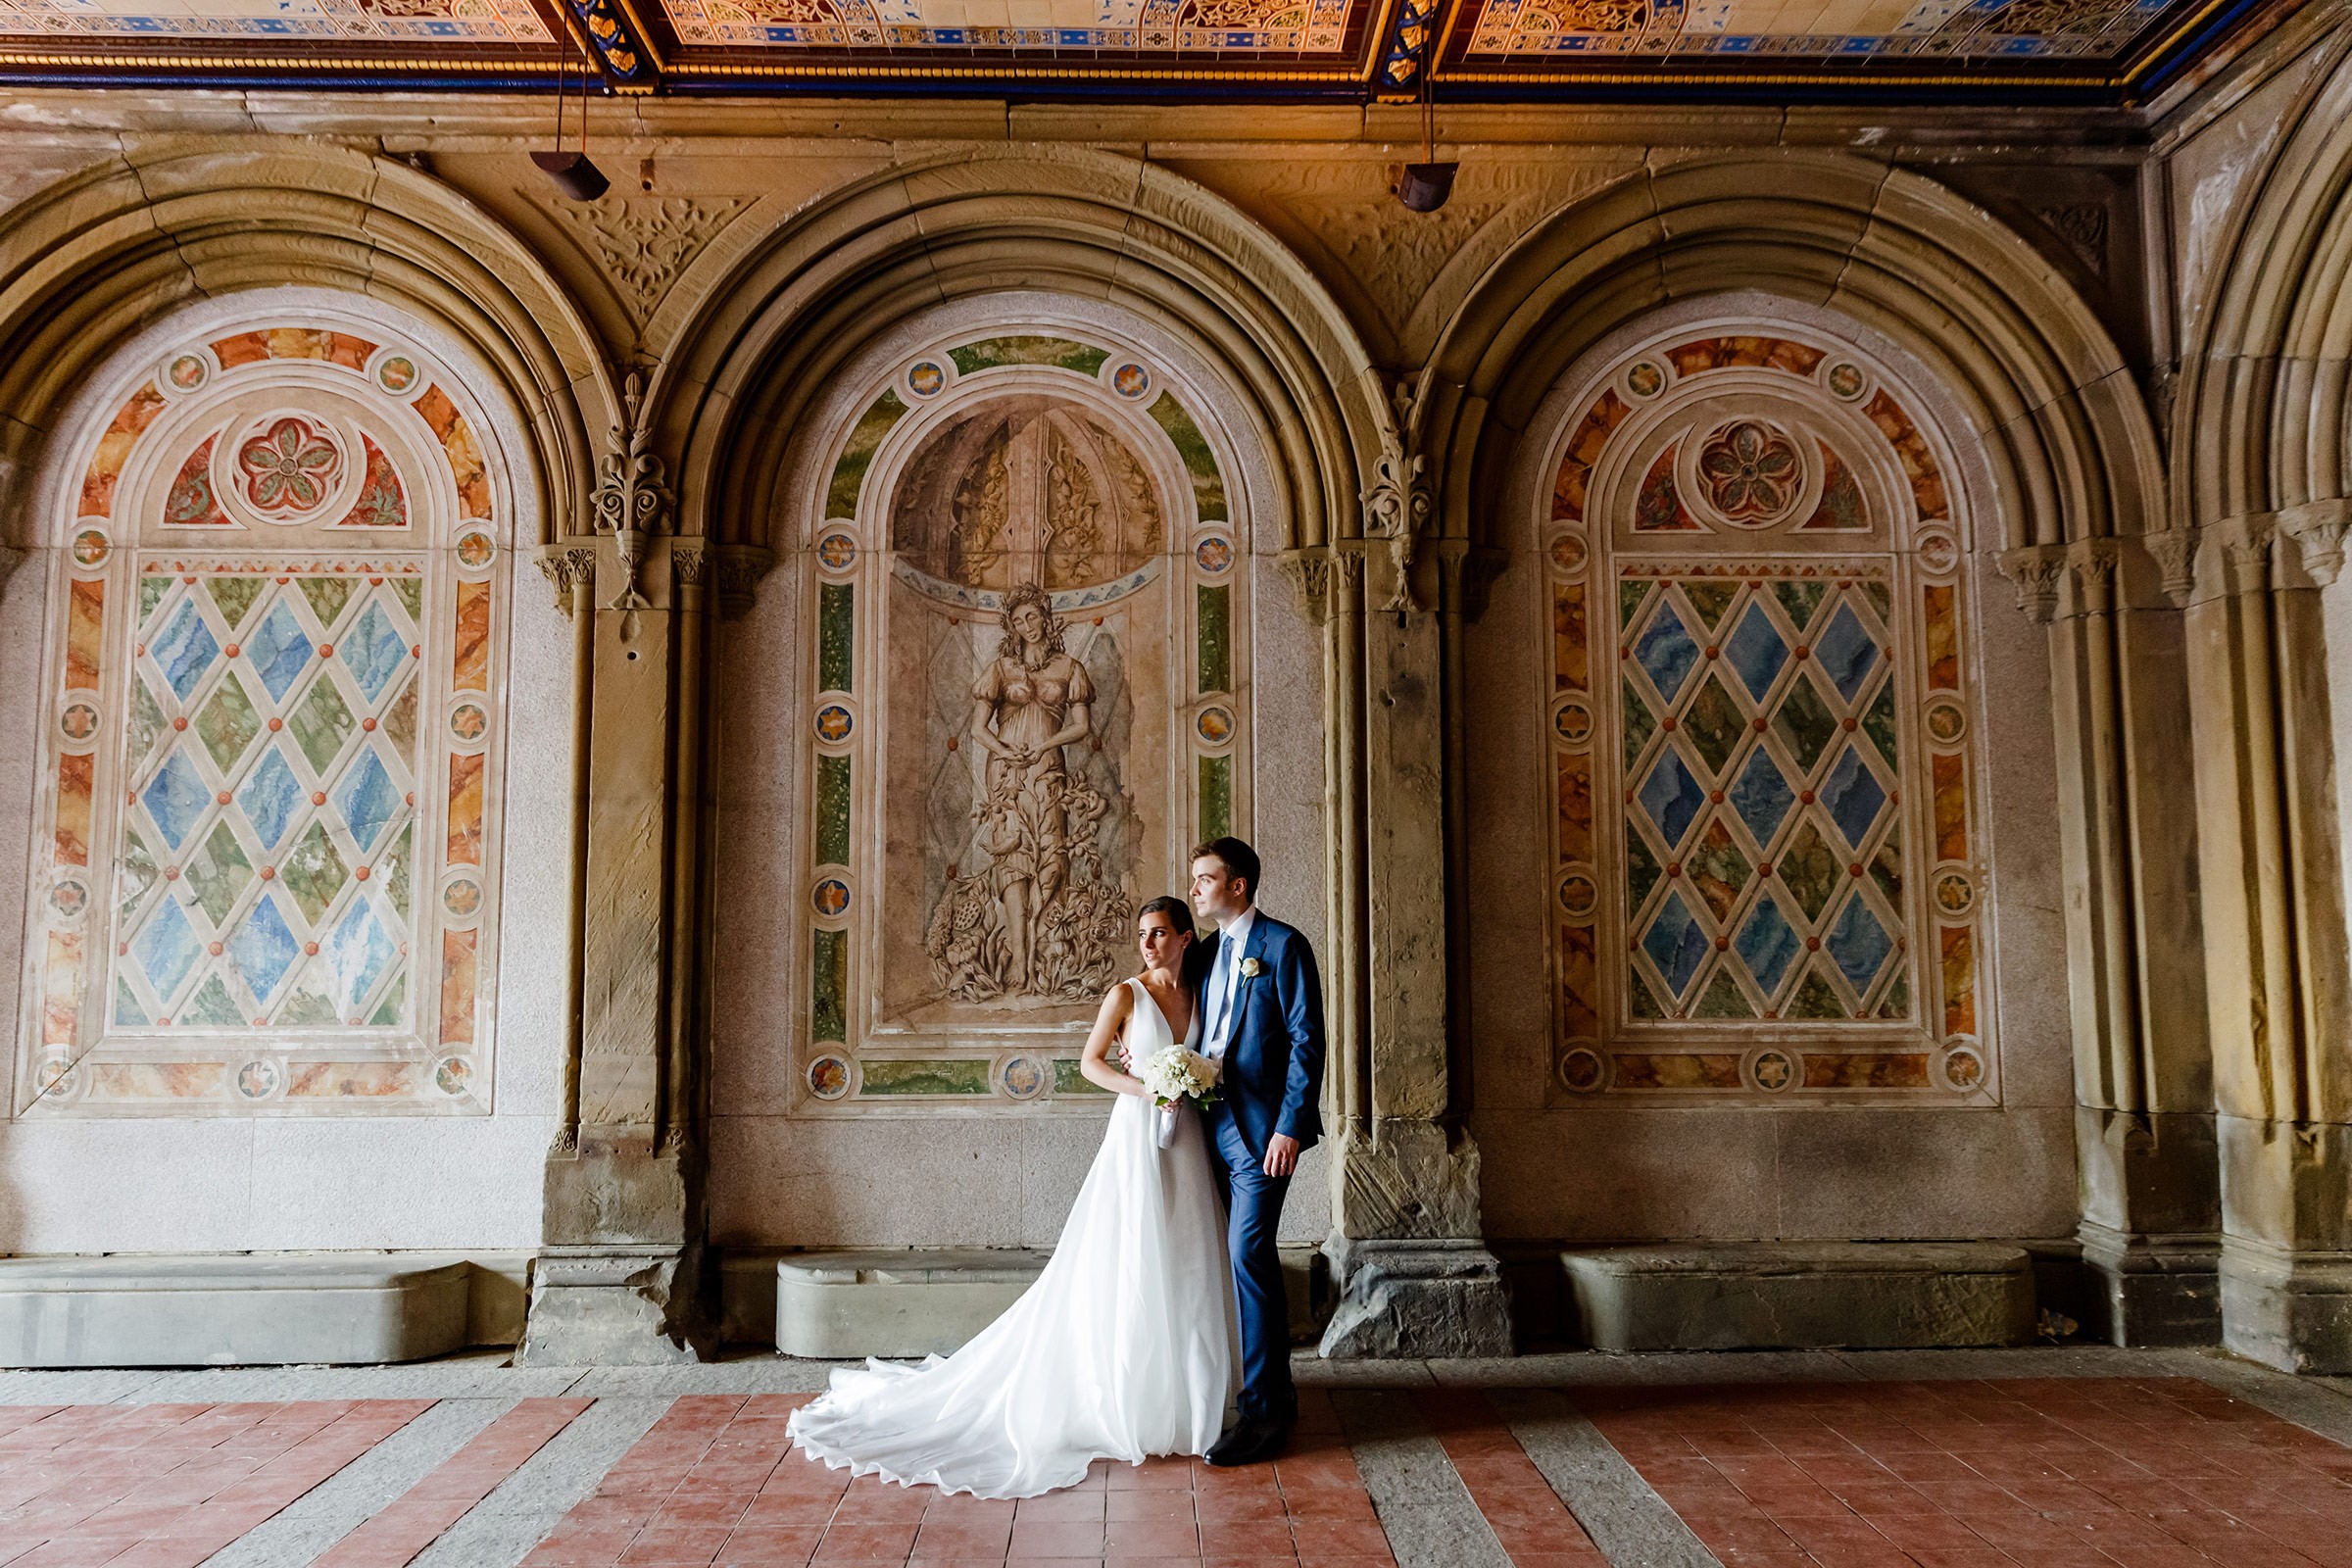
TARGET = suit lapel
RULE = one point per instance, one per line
(1254, 947)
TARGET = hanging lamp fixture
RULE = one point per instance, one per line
(573, 174)
(1424, 185)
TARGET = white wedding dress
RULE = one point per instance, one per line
(1127, 1346)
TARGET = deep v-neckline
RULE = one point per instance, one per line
(1165, 1022)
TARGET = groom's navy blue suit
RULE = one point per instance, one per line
(1271, 1081)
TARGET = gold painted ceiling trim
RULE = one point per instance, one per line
(1017, 66)
(1792, 78)
(247, 62)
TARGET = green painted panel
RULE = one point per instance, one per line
(836, 609)
(1216, 797)
(1068, 1080)
(989, 353)
(829, 990)
(1209, 486)
(849, 474)
(966, 1077)
(833, 810)
(1216, 639)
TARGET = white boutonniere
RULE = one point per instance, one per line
(1251, 968)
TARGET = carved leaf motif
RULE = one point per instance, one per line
(1396, 255)
(644, 242)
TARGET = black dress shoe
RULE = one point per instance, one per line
(1249, 1443)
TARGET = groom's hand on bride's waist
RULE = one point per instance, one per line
(1282, 1154)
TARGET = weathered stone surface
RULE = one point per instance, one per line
(618, 1306)
(914, 1300)
(232, 1310)
(1417, 1298)
(1801, 1294)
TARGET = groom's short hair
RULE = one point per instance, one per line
(1239, 860)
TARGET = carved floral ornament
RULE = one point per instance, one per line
(291, 467)
(1753, 473)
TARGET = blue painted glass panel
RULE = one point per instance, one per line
(184, 650)
(1853, 797)
(176, 797)
(355, 952)
(1676, 943)
(168, 948)
(373, 649)
(1667, 652)
(270, 797)
(1846, 653)
(1858, 943)
(1761, 796)
(367, 798)
(263, 949)
(1767, 943)
(1671, 796)
(1756, 652)
(278, 649)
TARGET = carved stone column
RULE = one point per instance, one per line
(616, 1280)
(1414, 1275)
(2144, 1101)
(2274, 890)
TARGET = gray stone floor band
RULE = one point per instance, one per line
(1430, 1517)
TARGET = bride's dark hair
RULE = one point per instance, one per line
(1179, 912)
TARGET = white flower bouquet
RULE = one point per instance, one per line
(1173, 1075)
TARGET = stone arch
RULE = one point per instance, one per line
(1061, 220)
(2259, 425)
(2068, 449)
(88, 262)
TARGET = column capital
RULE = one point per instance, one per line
(1397, 508)
(632, 500)
(569, 567)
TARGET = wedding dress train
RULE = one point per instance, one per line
(1127, 1346)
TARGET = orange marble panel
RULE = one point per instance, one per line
(1959, 980)
(85, 630)
(352, 1080)
(1584, 447)
(75, 776)
(1578, 1014)
(158, 1080)
(113, 449)
(246, 348)
(1943, 638)
(466, 809)
(457, 969)
(438, 411)
(470, 668)
(1911, 447)
(61, 988)
(1718, 353)
(466, 467)
(1951, 807)
(1674, 1070)
(1576, 806)
(1570, 671)
(1861, 1069)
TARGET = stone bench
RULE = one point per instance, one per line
(230, 1309)
(914, 1302)
(1801, 1296)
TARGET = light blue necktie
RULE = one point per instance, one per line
(1228, 962)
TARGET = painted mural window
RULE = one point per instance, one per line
(1027, 705)
(1769, 872)
(268, 860)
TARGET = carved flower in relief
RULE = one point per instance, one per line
(1752, 471)
(291, 467)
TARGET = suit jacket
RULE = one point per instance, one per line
(1273, 1072)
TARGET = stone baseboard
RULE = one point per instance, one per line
(2157, 1289)
(903, 1303)
(1801, 1296)
(2291, 1310)
(1416, 1299)
(232, 1309)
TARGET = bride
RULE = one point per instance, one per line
(1127, 1346)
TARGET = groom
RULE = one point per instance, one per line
(1262, 1020)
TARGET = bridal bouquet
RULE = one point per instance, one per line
(1175, 1074)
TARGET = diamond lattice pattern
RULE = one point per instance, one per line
(1763, 841)
(264, 866)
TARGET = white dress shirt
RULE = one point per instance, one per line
(1225, 979)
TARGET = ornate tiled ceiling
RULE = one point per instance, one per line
(1533, 50)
